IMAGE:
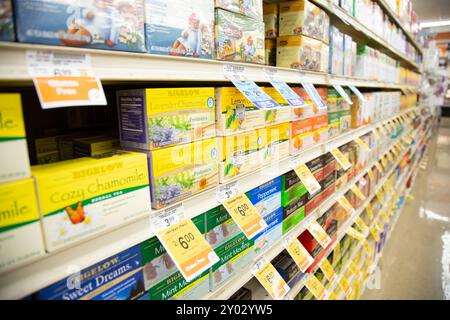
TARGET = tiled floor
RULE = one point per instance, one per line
(416, 260)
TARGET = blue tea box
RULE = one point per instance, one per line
(180, 28)
(119, 277)
(6, 21)
(267, 197)
(272, 233)
(99, 24)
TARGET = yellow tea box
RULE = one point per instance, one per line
(276, 115)
(179, 172)
(14, 163)
(46, 150)
(240, 154)
(20, 230)
(270, 17)
(275, 142)
(83, 197)
(94, 146)
(300, 52)
(156, 118)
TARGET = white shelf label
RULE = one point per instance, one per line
(312, 92)
(342, 93)
(283, 88)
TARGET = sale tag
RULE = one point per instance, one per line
(362, 144)
(390, 157)
(384, 216)
(375, 234)
(328, 271)
(340, 158)
(315, 287)
(319, 234)
(371, 176)
(369, 211)
(245, 215)
(380, 195)
(307, 178)
(312, 93)
(352, 232)
(358, 192)
(283, 88)
(236, 74)
(270, 279)
(298, 253)
(188, 248)
(367, 247)
(64, 79)
(379, 167)
(361, 225)
(344, 203)
(357, 92)
(384, 162)
(343, 283)
(342, 93)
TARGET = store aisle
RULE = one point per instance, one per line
(416, 260)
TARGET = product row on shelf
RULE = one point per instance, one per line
(91, 186)
(222, 30)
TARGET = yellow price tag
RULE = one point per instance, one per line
(357, 192)
(379, 167)
(384, 162)
(380, 196)
(352, 232)
(361, 225)
(362, 144)
(315, 287)
(188, 248)
(375, 234)
(367, 247)
(319, 234)
(332, 296)
(379, 225)
(390, 157)
(245, 215)
(341, 159)
(384, 216)
(354, 268)
(371, 175)
(369, 211)
(298, 253)
(343, 283)
(395, 150)
(344, 203)
(307, 178)
(328, 270)
(336, 253)
(270, 279)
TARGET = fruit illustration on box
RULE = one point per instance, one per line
(76, 215)
(234, 118)
(271, 116)
(298, 143)
(202, 183)
(224, 229)
(212, 237)
(298, 112)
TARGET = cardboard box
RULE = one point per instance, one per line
(14, 163)
(293, 213)
(333, 124)
(20, 235)
(320, 128)
(110, 25)
(302, 135)
(347, 55)
(156, 118)
(276, 142)
(300, 52)
(180, 28)
(291, 188)
(94, 146)
(84, 197)
(310, 109)
(270, 17)
(267, 197)
(7, 21)
(118, 277)
(46, 150)
(238, 38)
(252, 9)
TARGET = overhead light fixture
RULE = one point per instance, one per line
(432, 24)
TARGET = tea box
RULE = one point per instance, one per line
(336, 57)
(94, 146)
(220, 227)
(181, 171)
(110, 25)
(20, 228)
(279, 114)
(329, 164)
(81, 198)
(309, 109)
(239, 154)
(180, 28)
(287, 268)
(333, 124)
(347, 55)
(291, 188)
(46, 150)
(162, 279)
(270, 46)
(276, 142)
(155, 118)
(320, 128)
(302, 135)
(270, 18)
(238, 38)
(271, 234)
(294, 212)
(345, 118)
(250, 8)
(6, 21)
(267, 197)
(301, 52)
(303, 17)
(14, 163)
(118, 277)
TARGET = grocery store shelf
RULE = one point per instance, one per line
(397, 21)
(360, 32)
(120, 67)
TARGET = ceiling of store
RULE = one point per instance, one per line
(432, 10)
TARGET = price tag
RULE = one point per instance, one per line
(375, 234)
(395, 150)
(352, 232)
(354, 268)
(384, 162)
(236, 74)
(345, 204)
(358, 192)
(379, 167)
(336, 253)
(361, 225)
(380, 195)
(367, 247)
(369, 211)
(343, 283)
(187, 247)
(298, 253)
(390, 157)
(64, 79)
(342, 93)
(227, 191)
(362, 144)
(319, 234)
(270, 279)
(341, 159)
(371, 176)
(306, 176)
(283, 88)
(357, 92)
(328, 271)
(312, 93)
(384, 216)
(315, 287)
